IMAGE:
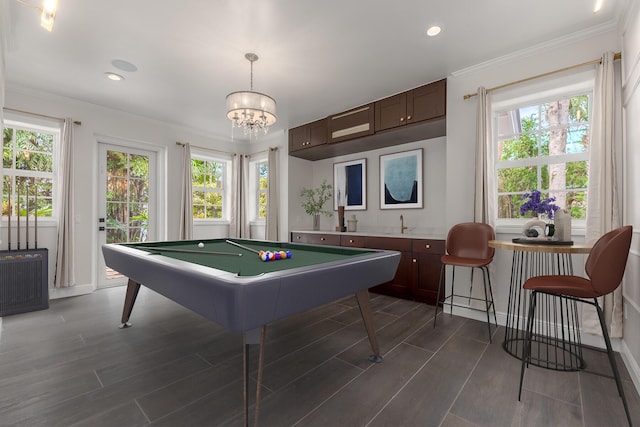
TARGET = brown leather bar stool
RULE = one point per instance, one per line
(467, 246)
(605, 267)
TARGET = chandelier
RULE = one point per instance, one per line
(48, 12)
(249, 110)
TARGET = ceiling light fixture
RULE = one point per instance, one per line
(48, 12)
(433, 31)
(598, 6)
(249, 110)
(113, 76)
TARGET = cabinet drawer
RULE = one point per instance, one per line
(354, 241)
(316, 239)
(428, 246)
(390, 243)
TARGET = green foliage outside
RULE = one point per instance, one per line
(263, 176)
(207, 185)
(127, 216)
(538, 138)
(27, 158)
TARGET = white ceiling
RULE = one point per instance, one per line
(316, 57)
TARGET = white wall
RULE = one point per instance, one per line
(428, 220)
(631, 205)
(99, 123)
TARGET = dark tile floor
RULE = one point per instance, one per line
(70, 365)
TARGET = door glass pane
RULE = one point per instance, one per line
(127, 197)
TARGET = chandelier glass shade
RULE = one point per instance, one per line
(249, 110)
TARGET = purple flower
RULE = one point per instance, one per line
(538, 205)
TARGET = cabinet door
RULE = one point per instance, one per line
(308, 135)
(298, 138)
(391, 112)
(318, 132)
(400, 285)
(427, 102)
(426, 269)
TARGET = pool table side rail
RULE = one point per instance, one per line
(243, 303)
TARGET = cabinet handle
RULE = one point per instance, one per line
(322, 238)
(408, 117)
(427, 246)
(401, 119)
(414, 260)
(298, 237)
(350, 240)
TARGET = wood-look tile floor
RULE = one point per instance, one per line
(70, 365)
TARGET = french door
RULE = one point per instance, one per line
(127, 202)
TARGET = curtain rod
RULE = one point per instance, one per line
(265, 151)
(182, 144)
(14, 110)
(616, 57)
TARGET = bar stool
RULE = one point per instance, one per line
(467, 246)
(605, 267)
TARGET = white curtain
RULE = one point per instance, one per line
(239, 226)
(603, 214)
(65, 255)
(484, 195)
(186, 208)
(273, 196)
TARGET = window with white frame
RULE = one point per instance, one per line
(258, 177)
(210, 182)
(29, 167)
(542, 143)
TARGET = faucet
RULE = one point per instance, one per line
(402, 227)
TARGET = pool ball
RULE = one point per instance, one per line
(201, 245)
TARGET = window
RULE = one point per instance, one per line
(29, 169)
(210, 180)
(258, 179)
(543, 144)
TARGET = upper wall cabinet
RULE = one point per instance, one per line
(415, 115)
(306, 136)
(422, 103)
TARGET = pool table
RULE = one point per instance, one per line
(231, 285)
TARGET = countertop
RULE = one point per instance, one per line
(409, 235)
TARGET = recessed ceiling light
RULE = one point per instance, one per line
(114, 76)
(433, 31)
(123, 65)
(598, 6)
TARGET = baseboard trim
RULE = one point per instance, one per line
(71, 291)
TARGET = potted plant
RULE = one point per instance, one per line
(313, 200)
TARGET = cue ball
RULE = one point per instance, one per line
(201, 245)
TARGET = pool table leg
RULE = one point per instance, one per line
(129, 301)
(245, 375)
(367, 318)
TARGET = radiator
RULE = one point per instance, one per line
(24, 284)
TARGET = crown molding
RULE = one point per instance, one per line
(529, 51)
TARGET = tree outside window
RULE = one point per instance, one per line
(208, 181)
(544, 146)
(28, 161)
(262, 193)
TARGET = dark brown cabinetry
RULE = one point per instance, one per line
(307, 136)
(415, 115)
(419, 269)
(351, 124)
(427, 265)
(422, 103)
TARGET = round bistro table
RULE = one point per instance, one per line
(553, 339)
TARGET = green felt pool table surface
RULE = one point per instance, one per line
(219, 254)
